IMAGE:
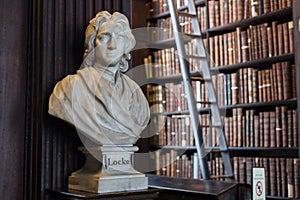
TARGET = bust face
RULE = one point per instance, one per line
(109, 43)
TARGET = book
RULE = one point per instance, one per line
(278, 127)
(212, 14)
(272, 129)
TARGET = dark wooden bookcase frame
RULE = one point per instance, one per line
(282, 15)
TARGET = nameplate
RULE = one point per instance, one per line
(119, 162)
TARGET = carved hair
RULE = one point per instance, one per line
(92, 29)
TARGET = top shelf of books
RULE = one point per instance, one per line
(225, 15)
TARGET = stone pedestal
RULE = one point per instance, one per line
(114, 174)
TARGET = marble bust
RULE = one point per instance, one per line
(104, 105)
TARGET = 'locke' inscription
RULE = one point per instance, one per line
(122, 161)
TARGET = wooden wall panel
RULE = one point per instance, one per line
(13, 62)
(56, 43)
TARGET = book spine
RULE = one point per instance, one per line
(261, 129)
(296, 178)
(256, 131)
(278, 127)
(290, 178)
(272, 129)
(275, 38)
(270, 41)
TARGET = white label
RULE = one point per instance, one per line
(258, 184)
(291, 24)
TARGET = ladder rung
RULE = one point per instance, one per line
(192, 35)
(221, 176)
(204, 102)
(215, 150)
(197, 78)
(216, 126)
(186, 14)
(212, 126)
(205, 125)
(196, 57)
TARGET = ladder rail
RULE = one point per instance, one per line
(190, 94)
(205, 69)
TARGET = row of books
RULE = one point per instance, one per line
(156, 7)
(175, 164)
(164, 29)
(179, 164)
(281, 174)
(223, 12)
(255, 42)
(168, 98)
(176, 131)
(171, 97)
(253, 128)
(250, 85)
(244, 128)
(246, 85)
(165, 62)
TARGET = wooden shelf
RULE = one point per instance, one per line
(176, 78)
(183, 112)
(262, 105)
(282, 15)
(257, 105)
(170, 42)
(169, 147)
(279, 198)
(260, 63)
(270, 152)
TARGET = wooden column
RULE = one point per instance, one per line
(13, 65)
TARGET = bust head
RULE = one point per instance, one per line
(108, 40)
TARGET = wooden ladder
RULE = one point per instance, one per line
(204, 69)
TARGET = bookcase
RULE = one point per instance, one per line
(255, 63)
